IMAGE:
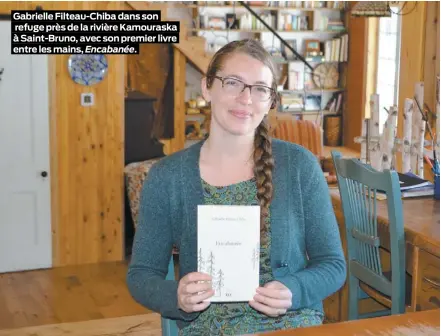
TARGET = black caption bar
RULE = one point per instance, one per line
(82, 32)
(83, 15)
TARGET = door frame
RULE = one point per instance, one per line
(53, 154)
(52, 147)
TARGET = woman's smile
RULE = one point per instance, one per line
(241, 114)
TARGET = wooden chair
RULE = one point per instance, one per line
(303, 132)
(358, 184)
(169, 327)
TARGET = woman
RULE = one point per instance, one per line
(301, 255)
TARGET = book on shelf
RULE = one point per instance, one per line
(228, 241)
(296, 75)
(336, 50)
(289, 22)
(334, 104)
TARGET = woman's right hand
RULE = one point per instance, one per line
(193, 289)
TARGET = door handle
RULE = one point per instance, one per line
(1, 72)
(44, 173)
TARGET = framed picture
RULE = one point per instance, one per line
(231, 21)
(312, 47)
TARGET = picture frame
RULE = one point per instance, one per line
(312, 46)
(231, 21)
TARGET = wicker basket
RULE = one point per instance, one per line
(332, 130)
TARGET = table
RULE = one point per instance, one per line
(136, 325)
(427, 323)
(419, 323)
(422, 233)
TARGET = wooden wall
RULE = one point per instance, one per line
(419, 61)
(412, 55)
(356, 80)
(431, 54)
(86, 155)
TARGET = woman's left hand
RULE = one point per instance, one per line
(273, 299)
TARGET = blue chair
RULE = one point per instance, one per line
(358, 184)
(169, 327)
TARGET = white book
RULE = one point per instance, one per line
(229, 250)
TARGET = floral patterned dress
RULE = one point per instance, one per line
(240, 318)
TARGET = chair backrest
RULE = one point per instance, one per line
(303, 132)
(358, 184)
(169, 327)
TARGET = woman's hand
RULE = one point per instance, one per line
(273, 299)
(193, 289)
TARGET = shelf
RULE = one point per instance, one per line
(304, 112)
(286, 62)
(265, 8)
(268, 31)
(196, 115)
(312, 90)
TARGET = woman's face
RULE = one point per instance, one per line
(235, 112)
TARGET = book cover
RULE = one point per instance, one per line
(229, 250)
(411, 181)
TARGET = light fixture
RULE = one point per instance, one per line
(371, 9)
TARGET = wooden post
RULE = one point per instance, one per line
(374, 148)
(407, 134)
(437, 130)
(387, 141)
(363, 154)
(418, 130)
(437, 120)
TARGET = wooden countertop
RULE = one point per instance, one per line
(420, 323)
(421, 220)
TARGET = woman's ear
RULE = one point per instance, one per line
(205, 90)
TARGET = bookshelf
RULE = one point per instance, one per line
(302, 24)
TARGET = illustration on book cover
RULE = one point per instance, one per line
(229, 250)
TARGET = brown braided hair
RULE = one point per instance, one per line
(263, 159)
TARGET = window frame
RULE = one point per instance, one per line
(397, 64)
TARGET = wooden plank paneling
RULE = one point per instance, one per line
(431, 55)
(356, 80)
(431, 68)
(411, 59)
(86, 155)
(178, 142)
(412, 55)
(91, 192)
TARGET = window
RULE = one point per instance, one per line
(388, 62)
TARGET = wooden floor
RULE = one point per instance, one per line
(66, 294)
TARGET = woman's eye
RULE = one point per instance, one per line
(231, 82)
(261, 89)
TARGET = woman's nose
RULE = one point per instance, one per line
(245, 96)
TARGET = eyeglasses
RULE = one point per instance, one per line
(235, 87)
